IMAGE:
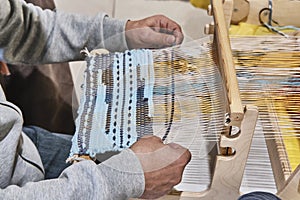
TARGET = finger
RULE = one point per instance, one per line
(159, 40)
(147, 136)
(162, 157)
(153, 137)
(176, 146)
(184, 152)
(164, 23)
(177, 34)
(179, 37)
(171, 27)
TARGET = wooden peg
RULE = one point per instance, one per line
(209, 28)
(240, 11)
(209, 10)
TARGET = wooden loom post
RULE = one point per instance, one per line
(225, 62)
(291, 189)
(229, 169)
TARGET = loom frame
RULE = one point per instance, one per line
(229, 169)
(288, 187)
(287, 183)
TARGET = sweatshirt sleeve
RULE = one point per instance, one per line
(120, 177)
(29, 34)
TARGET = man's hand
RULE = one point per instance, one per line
(163, 165)
(157, 31)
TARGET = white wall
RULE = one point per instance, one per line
(190, 18)
(89, 7)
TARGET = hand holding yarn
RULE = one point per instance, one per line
(156, 31)
(163, 165)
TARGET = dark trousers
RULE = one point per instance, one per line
(53, 148)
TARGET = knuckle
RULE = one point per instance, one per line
(178, 179)
(185, 158)
(188, 155)
(161, 16)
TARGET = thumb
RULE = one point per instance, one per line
(169, 40)
(159, 40)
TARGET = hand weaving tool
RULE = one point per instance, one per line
(181, 94)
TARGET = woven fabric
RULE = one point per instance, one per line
(174, 93)
(116, 96)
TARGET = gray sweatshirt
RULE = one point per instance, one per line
(31, 35)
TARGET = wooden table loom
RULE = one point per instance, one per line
(236, 166)
(230, 163)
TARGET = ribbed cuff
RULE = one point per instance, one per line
(114, 34)
(125, 175)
